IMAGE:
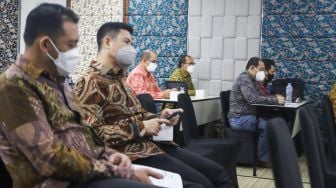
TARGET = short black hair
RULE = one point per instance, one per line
(253, 61)
(146, 55)
(47, 19)
(268, 63)
(182, 60)
(111, 29)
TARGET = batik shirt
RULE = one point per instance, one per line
(141, 81)
(43, 141)
(332, 97)
(183, 76)
(115, 114)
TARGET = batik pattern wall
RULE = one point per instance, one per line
(161, 26)
(93, 13)
(8, 32)
(301, 37)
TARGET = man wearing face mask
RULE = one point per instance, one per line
(121, 122)
(142, 80)
(44, 141)
(186, 66)
(242, 116)
(268, 77)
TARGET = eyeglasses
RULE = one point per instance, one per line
(191, 63)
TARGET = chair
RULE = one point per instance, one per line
(322, 172)
(279, 87)
(249, 140)
(331, 129)
(283, 155)
(225, 150)
(147, 102)
(5, 178)
(177, 84)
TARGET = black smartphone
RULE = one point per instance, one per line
(171, 116)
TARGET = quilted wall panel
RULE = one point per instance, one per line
(301, 37)
(8, 32)
(161, 26)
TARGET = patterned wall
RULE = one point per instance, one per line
(8, 32)
(301, 37)
(93, 13)
(160, 25)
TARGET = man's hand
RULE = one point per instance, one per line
(166, 93)
(281, 99)
(123, 163)
(143, 174)
(167, 112)
(153, 126)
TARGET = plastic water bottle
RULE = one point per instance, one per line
(289, 91)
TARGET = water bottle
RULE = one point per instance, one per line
(289, 91)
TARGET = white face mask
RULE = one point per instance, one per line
(260, 76)
(151, 67)
(66, 62)
(126, 56)
(191, 68)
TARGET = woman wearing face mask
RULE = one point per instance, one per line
(185, 67)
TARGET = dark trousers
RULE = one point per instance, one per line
(192, 167)
(111, 183)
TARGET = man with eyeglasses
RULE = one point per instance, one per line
(186, 66)
(142, 80)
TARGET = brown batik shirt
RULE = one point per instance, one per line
(43, 142)
(115, 114)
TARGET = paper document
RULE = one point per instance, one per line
(165, 134)
(170, 179)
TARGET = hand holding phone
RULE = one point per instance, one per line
(171, 116)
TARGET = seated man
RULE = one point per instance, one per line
(142, 80)
(186, 66)
(119, 119)
(242, 116)
(332, 97)
(43, 141)
(269, 75)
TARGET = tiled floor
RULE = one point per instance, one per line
(264, 178)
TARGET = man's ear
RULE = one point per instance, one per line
(107, 42)
(44, 44)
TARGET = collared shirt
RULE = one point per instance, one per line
(183, 76)
(115, 114)
(262, 89)
(141, 81)
(43, 141)
(244, 92)
(332, 97)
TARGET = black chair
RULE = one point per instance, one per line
(225, 150)
(177, 84)
(249, 140)
(328, 115)
(279, 87)
(147, 102)
(283, 155)
(5, 179)
(322, 172)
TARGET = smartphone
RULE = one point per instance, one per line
(174, 114)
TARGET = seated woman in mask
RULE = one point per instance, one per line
(182, 73)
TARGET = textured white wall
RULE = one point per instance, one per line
(222, 36)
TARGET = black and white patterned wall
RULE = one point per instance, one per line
(9, 10)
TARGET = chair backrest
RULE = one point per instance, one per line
(311, 145)
(225, 103)
(283, 155)
(177, 84)
(189, 122)
(328, 115)
(147, 102)
(279, 87)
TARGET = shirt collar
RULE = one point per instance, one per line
(28, 67)
(105, 69)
